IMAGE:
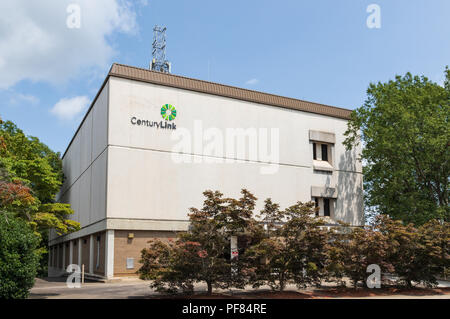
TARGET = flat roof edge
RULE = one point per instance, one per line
(176, 81)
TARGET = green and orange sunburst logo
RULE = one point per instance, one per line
(168, 112)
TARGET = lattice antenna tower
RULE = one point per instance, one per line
(159, 62)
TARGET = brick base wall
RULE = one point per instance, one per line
(131, 248)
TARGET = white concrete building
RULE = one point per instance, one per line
(133, 168)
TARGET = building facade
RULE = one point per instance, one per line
(152, 142)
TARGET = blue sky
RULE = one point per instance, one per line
(320, 50)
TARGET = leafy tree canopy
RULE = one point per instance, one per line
(30, 176)
(30, 161)
(404, 129)
(202, 254)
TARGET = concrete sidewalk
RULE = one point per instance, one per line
(56, 288)
(134, 288)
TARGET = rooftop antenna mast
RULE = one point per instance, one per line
(159, 62)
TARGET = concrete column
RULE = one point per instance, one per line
(50, 256)
(58, 252)
(109, 254)
(79, 252)
(63, 266)
(91, 254)
(71, 252)
(50, 261)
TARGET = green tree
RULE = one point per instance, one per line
(405, 132)
(417, 254)
(293, 250)
(27, 159)
(351, 251)
(18, 258)
(30, 176)
(171, 265)
(436, 241)
(202, 254)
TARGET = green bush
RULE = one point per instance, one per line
(294, 251)
(294, 247)
(418, 254)
(201, 254)
(352, 250)
(18, 258)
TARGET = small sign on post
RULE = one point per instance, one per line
(234, 254)
(234, 247)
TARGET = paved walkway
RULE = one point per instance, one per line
(56, 288)
(126, 288)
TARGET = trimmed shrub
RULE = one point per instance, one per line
(353, 250)
(18, 258)
(295, 250)
(418, 255)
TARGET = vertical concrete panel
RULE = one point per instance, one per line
(85, 198)
(100, 123)
(98, 189)
(75, 159)
(68, 198)
(74, 200)
(66, 172)
(86, 142)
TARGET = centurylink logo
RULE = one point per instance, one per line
(168, 113)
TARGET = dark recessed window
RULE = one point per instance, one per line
(316, 201)
(326, 207)
(84, 241)
(324, 152)
(314, 151)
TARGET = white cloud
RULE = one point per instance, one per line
(16, 98)
(143, 2)
(252, 82)
(68, 109)
(19, 98)
(36, 44)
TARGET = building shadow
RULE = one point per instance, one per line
(350, 190)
